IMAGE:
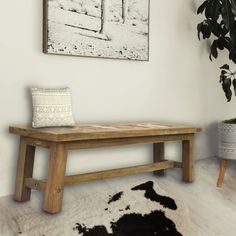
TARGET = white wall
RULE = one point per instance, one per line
(179, 84)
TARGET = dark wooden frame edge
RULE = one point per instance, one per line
(45, 26)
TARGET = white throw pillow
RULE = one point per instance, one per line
(52, 107)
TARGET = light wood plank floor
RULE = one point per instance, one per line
(212, 210)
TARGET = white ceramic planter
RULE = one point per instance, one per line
(227, 141)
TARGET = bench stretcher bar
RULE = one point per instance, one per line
(40, 185)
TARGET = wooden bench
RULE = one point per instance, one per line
(60, 140)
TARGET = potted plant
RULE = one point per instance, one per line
(219, 25)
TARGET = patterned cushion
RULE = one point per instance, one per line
(52, 107)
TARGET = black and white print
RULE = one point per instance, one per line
(116, 29)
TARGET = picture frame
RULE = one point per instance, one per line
(97, 28)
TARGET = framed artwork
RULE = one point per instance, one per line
(117, 29)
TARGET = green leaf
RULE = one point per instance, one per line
(199, 29)
(224, 31)
(202, 7)
(227, 43)
(228, 95)
(213, 52)
(226, 84)
(234, 85)
(205, 29)
(220, 43)
(232, 55)
(216, 9)
(233, 34)
(212, 9)
(215, 28)
(223, 72)
(225, 67)
(222, 78)
(227, 14)
(233, 3)
(208, 11)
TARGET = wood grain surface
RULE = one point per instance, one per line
(102, 131)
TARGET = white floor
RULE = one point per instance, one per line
(212, 210)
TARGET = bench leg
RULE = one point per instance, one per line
(223, 166)
(24, 170)
(188, 160)
(55, 181)
(158, 156)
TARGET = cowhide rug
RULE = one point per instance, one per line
(140, 209)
